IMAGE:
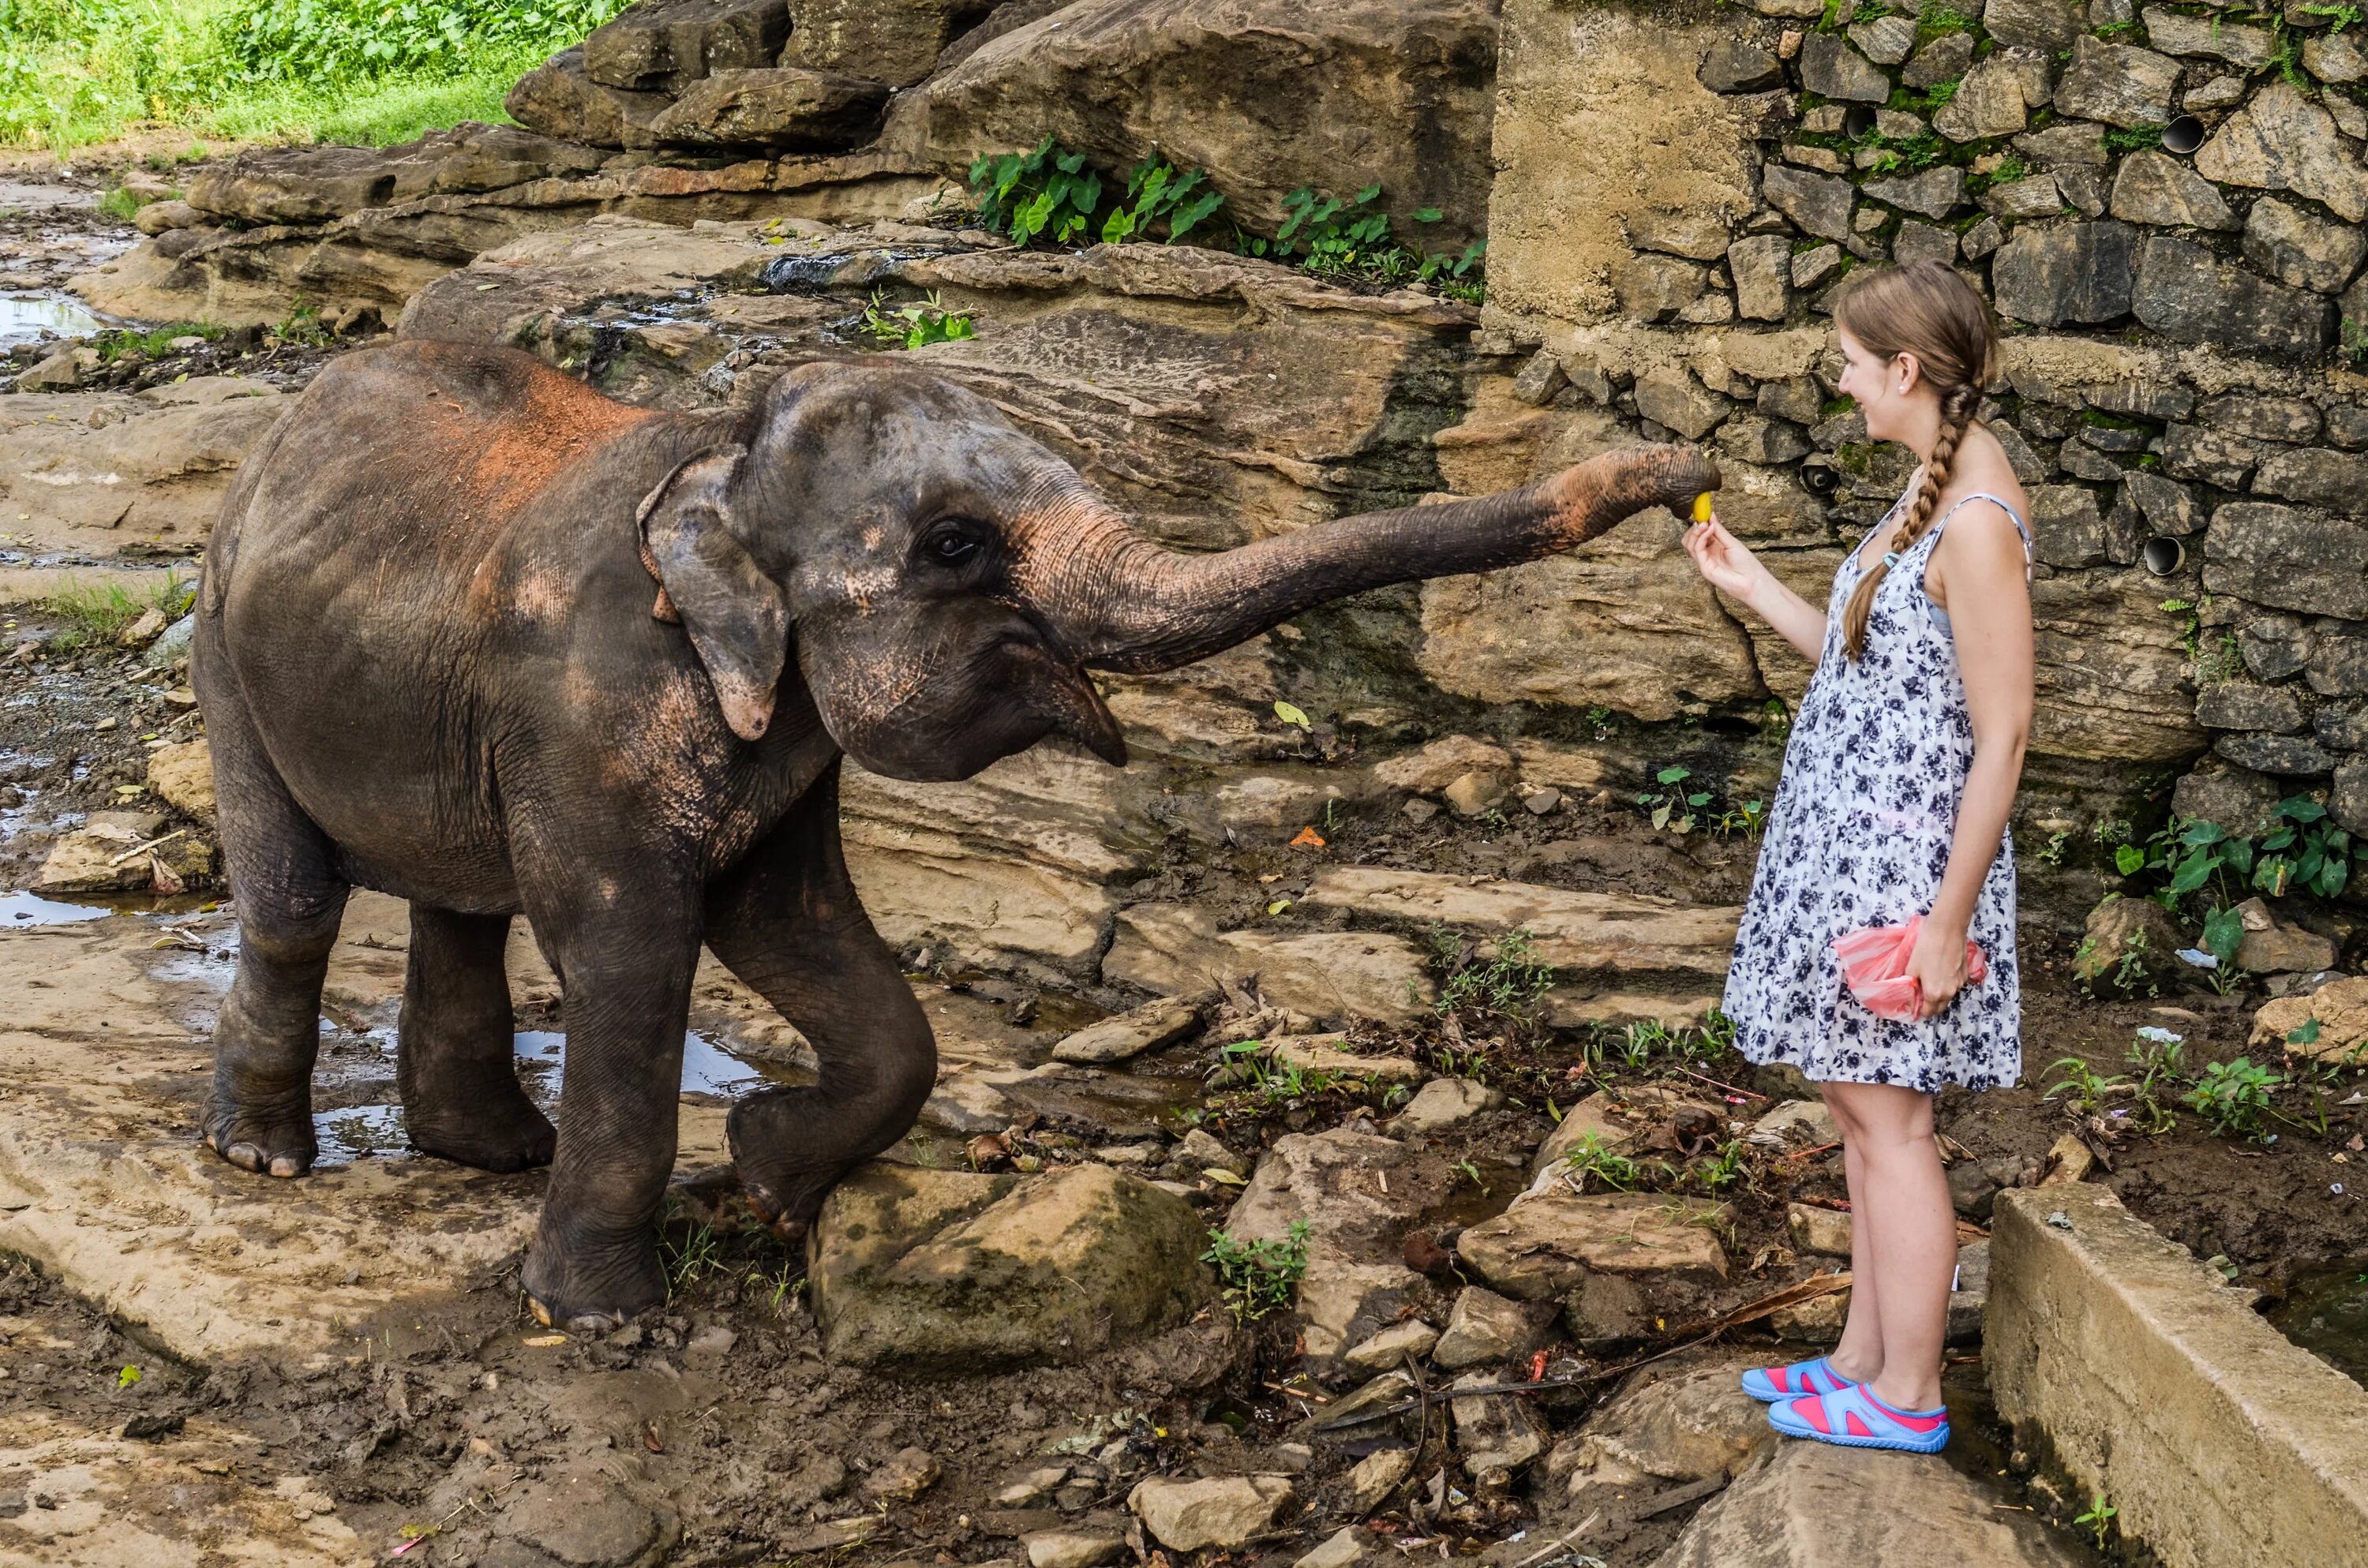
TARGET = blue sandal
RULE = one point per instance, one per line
(1769, 1384)
(1854, 1418)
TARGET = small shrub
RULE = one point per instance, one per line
(1588, 1157)
(1508, 985)
(2233, 1096)
(1259, 1277)
(915, 325)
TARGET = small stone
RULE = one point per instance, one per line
(1495, 1434)
(1989, 102)
(902, 1475)
(1542, 802)
(2294, 247)
(1343, 1548)
(1804, 1123)
(2240, 801)
(1222, 1511)
(1484, 1327)
(1818, 204)
(1733, 66)
(2221, 92)
(1474, 794)
(1072, 1548)
(2065, 142)
(2285, 754)
(1943, 59)
(1374, 1477)
(2117, 83)
(1812, 267)
(1818, 1230)
(2034, 196)
(2317, 477)
(1409, 1341)
(1675, 398)
(1540, 379)
(2334, 57)
(1420, 810)
(2068, 272)
(1147, 1028)
(1443, 1103)
(2273, 945)
(1754, 438)
(1935, 193)
(1714, 309)
(61, 372)
(2068, 1159)
(1441, 762)
(1832, 69)
(2128, 943)
(2244, 705)
(2154, 187)
(2052, 25)
(1696, 234)
(1972, 1191)
(1201, 1151)
(1654, 288)
(2281, 141)
(1759, 264)
(2215, 38)
(1886, 41)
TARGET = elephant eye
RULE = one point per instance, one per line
(954, 542)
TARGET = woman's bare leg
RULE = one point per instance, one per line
(1858, 1356)
(1903, 1225)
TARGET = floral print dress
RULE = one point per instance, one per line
(1859, 835)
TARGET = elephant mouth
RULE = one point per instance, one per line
(1061, 696)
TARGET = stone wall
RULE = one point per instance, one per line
(1682, 187)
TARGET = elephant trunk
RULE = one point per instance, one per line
(1137, 606)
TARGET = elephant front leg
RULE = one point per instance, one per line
(788, 922)
(595, 1260)
(461, 1100)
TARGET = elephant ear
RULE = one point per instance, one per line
(708, 581)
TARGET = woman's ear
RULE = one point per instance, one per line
(1908, 372)
(737, 621)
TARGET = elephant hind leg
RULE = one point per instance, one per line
(461, 1100)
(289, 899)
(788, 922)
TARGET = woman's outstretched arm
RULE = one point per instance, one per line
(1733, 571)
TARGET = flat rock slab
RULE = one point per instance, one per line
(1332, 976)
(1815, 1505)
(1549, 1241)
(953, 1271)
(1573, 930)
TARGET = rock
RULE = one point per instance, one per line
(1408, 1341)
(1677, 399)
(1485, 1328)
(1441, 762)
(1886, 41)
(2334, 57)
(1355, 1191)
(1674, 1428)
(1944, 58)
(1474, 794)
(1971, 1192)
(667, 45)
(1269, 95)
(2184, 293)
(1222, 1511)
(2117, 83)
(2274, 754)
(1750, 438)
(1548, 1243)
(2273, 945)
(1758, 265)
(2169, 506)
(922, 1269)
(61, 372)
(2051, 25)
(2340, 1008)
(558, 99)
(1686, 232)
(1796, 1123)
(1540, 379)
(1325, 1053)
(2295, 248)
(1343, 1302)
(1494, 1434)
(1818, 1230)
(581, 1519)
(1148, 1028)
(1657, 288)
(2281, 141)
(2069, 272)
(1374, 1477)
(2066, 529)
(2278, 555)
(1342, 1549)
(2192, 451)
(789, 109)
(2126, 943)
(2267, 418)
(902, 1475)
(1917, 1509)
(1936, 193)
(1813, 267)
(1072, 1548)
(2036, 197)
(1970, 1299)
(2315, 477)
(164, 217)
(2155, 188)
(897, 44)
(1571, 930)
(2068, 1159)
(1443, 1103)
(182, 775)
(1818, 204)
(1832, 69)
(1988, 102)
(2211, 36)
(1733, 66)
(1328, 975)
(315, 184)
(2246, 705)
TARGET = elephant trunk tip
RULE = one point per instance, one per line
(1604, 491)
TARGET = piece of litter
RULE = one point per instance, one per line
(2197, 957)
(2060, 1219)
(2159, 1035)
(544, 1341)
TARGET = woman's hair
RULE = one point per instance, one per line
(1927, 309)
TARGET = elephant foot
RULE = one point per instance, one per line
(784, 1190)
(499, 1132)
(592, 1293)
(270, 1140)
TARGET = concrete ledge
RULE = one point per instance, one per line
(2219, 1440)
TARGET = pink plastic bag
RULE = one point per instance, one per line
(1874, 966)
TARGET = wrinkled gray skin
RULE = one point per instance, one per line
(479, 637)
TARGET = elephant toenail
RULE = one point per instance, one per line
(287, 1166)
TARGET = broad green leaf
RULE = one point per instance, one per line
(2129, 859)
(1292, 715)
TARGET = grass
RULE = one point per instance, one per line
(75, 72)
(99, 612)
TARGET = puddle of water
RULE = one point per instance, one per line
(707, 1067)
(2327, 1315)
(26, 316)
(359, 1132)
(18, 910)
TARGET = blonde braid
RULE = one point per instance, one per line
(1957, 405)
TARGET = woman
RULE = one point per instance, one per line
(1901, 769)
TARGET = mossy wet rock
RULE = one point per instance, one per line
(791, 109)
(925, 1270)
(1269, 95)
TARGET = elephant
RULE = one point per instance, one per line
(477, 636)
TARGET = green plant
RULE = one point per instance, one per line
(2336, 16)
(1471, 1172)
(2232, 1096)
(2355, 342)
(302, 326)
(2081, 1087)
(914, 326)
(1671, 806)
(1048, 192)
(1259, 1277)
(125, 1378)
(1588, 1157)
(324, 42)
(689, 1259)
(118, 203)
(1508, 985)
(1939, 21)
(2156, 1054)
(2135, 139)
(1724, 1170)
(126, 342)
(2099, 1518)
(99, 612)
(1156, 193)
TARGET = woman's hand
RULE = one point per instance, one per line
(1723, 561)
(1936, 963)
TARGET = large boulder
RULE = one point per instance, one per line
(897, 43)
(792, 109)
(313, 184)
(928, 1270)
(1269, 95)
(559, 98)
(666, 45)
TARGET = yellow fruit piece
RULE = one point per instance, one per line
(1702, 507)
